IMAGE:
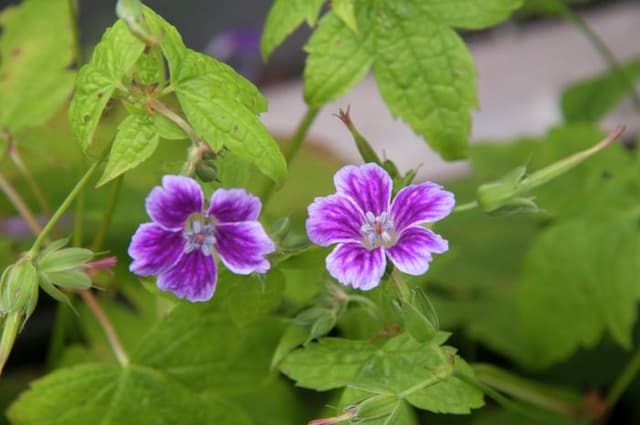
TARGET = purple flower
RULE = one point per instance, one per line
(364, 223)
(179, 244)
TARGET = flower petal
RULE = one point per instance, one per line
(419, 203)
(368, 185)
(334, 218)
(193, 277)
(171, 204)
(412, 253)
(231, 205)
(154, 249)
(353, 264)
(242, 246)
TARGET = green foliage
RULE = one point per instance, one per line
(593, 98)
(423, 69)
(414, 371)
(177, 374)
(284, 17)
(111, 63)
(36, 51)
(135, 141)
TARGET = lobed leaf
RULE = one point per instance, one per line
(472, 14)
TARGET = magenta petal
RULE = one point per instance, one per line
(368, 185)
(154, 249)
(353, 264)
(193, 277)
(412, 253)
(419, 203)
(242, 247)
(171, 204)
(334, 218)
(231, 205)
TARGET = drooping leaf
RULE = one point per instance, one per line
(591, 99)
(338, 58)
(284, 17)
(36, 49)
(426, 75)
(580, 280)
(113, 59)
(135, 141)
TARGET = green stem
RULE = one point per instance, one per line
(10, 329)
(602, 48)
(466, 207)
(163, 109)
(108, 213)
(73, 17)
(402, 290)
(63, 207)
(78, 218)
(624, 380)
(293, 147)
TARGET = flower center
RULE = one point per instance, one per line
(378, 231)
(199, 233)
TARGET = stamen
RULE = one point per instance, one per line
(378, 231)
(199, 232)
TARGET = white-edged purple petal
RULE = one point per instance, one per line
(412, 253)
(242, 246)
(232, 205)
(154, 249)
(334, 218)
(169, 205)
(353, 264)
(193, 277)
(369, 186)
(419, 203)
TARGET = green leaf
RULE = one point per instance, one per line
(401, 366)
(221, 107)
(36, 47)
(580, 280)
(345, 10)
(149, 68)
(95, 393)
(338, 58)
(593, 98)
(284, 17)
(135, 141)
(426, 75)
(170, 40)
(113, 60)
(167, 129)
(472, 14)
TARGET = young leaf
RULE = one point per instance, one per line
(221, 106)
(580, 279)
(36, 47)
(426, 75)
(593, 98)
(284, 17)
(345, 10)
(112, 60)
(472, 14)
(135, 142)
(338, 58)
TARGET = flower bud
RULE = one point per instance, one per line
(206, 171)
(366, 151)
(376, 407)
(19, 292)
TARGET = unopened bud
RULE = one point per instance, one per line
(376, 407)
(19, 291)
(366, 151)
(206, 171)
(347, 415)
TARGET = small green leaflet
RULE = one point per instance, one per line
(397, 367)
(37, 49)
(423, 69)
(112, 61)
(284, 17)
(135, 141)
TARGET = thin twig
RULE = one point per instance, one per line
(19, 204)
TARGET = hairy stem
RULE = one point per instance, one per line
(293, 147)
(602, 49)
(112, 337)
(624, 380)
(108, 213)
(63, 207)
(163, 109)
(78, 218)
(19, 204)
(466, 207)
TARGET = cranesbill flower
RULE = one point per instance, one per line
(366, 226)
(179, 245)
